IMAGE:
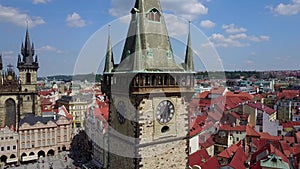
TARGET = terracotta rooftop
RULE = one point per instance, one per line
(266, 150)
(238, 159)
(288, 94)
(217, 90)
(198, 157)
(298, 137)
(290, 124)
(196, 124)
(262, 107)
(207, 143)
(227, 127)
(250, 131)
(211, 163)
(229, 152)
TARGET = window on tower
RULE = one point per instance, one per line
(28, 78)
(154, 15)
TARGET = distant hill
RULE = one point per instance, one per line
(67, 78)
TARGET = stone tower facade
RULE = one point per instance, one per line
(28, 66)
(149, 94)
(18, 95)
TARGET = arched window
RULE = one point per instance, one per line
(10, 115)
(28, 78)
(154, 15)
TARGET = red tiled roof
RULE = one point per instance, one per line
(196, 124)
(202, 95)
(270, 149)
(285, 148)
(64, 112)
(207, 143)
(242, 95)
(101, 112)
(45, 92)
(298, 137)
(228, 153)
(198, 157)
(217, 90)
(290, 124)
(211, 163)
(227, 127)
(46, 101)
(251, 132)
(289, 139)
(288, 94)
(267, 136)
(238, 159)
(262, 107)
(216, 116)
(236, 116)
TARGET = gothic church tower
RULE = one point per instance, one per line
(28, 66)
(149, 94)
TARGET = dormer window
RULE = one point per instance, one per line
(154, 15)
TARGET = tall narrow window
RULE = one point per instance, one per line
(28, 78)
(154, 15)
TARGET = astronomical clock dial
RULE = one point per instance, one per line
(165, 112)
(121, 112)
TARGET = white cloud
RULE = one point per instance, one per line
(283, 58)
(252, 38)
(292, 8)
(231, 28)
(120, 7)
(75, 20)
(189, 9)
(249, 62)
(49, 48)
(17, 17)
(236, 40)
(41, 1)
(176, 26)
(219, 40)
(8, 52)
(207, 24)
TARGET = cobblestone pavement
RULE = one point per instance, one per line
(58, 162)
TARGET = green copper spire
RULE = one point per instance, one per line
(189, 59)
(109, 60)
(147, 46)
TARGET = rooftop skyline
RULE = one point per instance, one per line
(254, 35)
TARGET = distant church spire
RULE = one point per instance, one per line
(109, 60)
(27, 51)
(189, 59)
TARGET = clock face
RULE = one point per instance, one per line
(9, 77)
(121, 112)
(165, 112)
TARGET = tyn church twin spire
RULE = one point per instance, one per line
(28, 53)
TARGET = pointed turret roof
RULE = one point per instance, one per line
(109, 60)
(147, 47)
(189, 59)
(27, 51)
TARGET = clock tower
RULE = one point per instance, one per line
(149, 94)
(28, 66)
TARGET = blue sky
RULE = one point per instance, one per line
(241, 35)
